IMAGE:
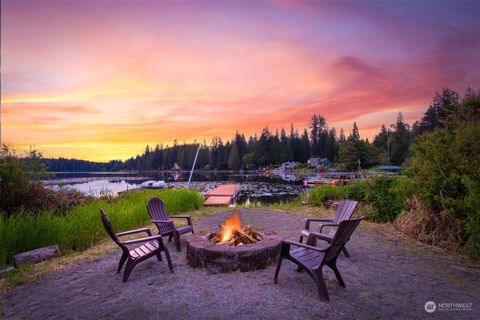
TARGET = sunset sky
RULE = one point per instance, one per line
(98, 80)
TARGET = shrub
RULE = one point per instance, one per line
(447, 176)
(13, 181)
(40, 198)
(472, 223)
(427, 226)
(384, 196)
(16, 191)
(354, 190)
(319, 195)
(81, 226)
(381, 194)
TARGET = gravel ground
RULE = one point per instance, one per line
(386, 278)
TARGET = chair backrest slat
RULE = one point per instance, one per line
(157, 211)
(345, 210)
(108, 227)
(342, 236)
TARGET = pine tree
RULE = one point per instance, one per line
(263, 149)
(234, 162)
(441, 107)
(355, 135)
(342, 137)
(304, 147)
(401, 140)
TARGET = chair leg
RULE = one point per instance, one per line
(122, 261)
(176, 237)
(301, 239)
(345, 252)
(169, 261)
(128, 269)
(333, 266)
(170, 236)
(159, 256)
(322, 288)
(277, 271)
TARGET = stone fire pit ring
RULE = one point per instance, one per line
(219, 258)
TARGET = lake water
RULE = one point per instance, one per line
(254, 186)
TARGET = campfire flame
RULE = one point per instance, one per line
(230, 225)
(232, 233)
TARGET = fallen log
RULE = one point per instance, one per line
(37, 255)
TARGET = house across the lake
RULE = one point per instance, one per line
(314, 162)
(287, 166)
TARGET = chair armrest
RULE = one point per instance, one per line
(139, 240)
(189, 218)
(162, 221)
(125, 233)
(328, 225)
(306, 246)
(308, 220)
(320, 236)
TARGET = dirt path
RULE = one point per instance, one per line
(386, 278)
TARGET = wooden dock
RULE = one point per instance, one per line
(222, 195)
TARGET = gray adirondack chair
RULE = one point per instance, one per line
(166, 227)
(151, 246)
(312, 259)
(344, 211)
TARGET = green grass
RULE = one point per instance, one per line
(319, 195)
(81, 227)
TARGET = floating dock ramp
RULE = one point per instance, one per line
(222, 195)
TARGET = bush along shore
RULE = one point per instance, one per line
(79, 227)
(401, 201)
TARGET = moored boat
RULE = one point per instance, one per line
(153, 184)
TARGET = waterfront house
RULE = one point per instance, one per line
(314, 162)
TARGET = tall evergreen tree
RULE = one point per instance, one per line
(355, 135)
(342, 137)
(285, 151)
(401, 140)
(234, 162)
(263, 149)
(443, 104)
(304, 147)
(382, 142)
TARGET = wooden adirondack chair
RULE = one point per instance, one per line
(152, 246)
(313, 259)
(345, 210)
(166, 227)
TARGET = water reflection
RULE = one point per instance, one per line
(265, 187)
(176, 177)
(98, 187)
(257, 187)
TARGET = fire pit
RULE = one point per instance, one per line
(233, 248)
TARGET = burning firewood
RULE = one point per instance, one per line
(231, 233)
(243, 237)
